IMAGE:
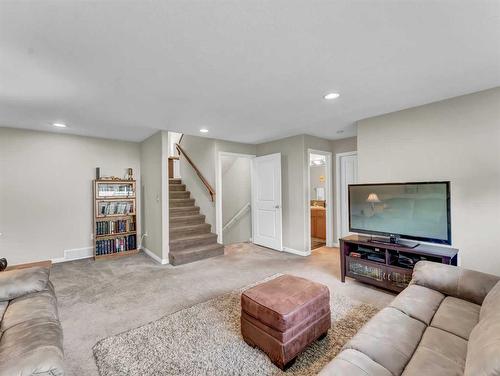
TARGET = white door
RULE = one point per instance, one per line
(266, 205)
(348, 175)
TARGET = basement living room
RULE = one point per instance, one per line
(249, 188)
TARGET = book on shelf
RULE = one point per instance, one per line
(114, 208)
(116, 245)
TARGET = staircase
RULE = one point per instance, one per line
(190, 237)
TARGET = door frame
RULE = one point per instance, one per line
(328, 196)
(337, 189)
(218, 190)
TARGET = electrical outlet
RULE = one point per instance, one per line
(91, 236)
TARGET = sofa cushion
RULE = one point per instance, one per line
(353, 363)
(418, 302)
(28, 307)
(15, 283)
(491, 304)
(484, 348)
(456, 316)
(439, 353)
(389, 338)
(34, 347)
(285, 301)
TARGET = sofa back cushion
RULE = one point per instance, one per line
(483, 348)
(450, 280)
(16, 283)
(491, 304)
(484, 342)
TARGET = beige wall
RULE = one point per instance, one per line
(151, 198)
(457, 140)
(46, 190)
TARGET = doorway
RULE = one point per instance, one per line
(346, 173)
(234, 197)
(319, 199)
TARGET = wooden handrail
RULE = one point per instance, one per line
(207, 185)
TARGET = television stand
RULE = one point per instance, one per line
(385, 264)
(394, 240)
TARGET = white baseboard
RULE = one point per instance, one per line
(296, 252)
(154, 256)
(75, 254)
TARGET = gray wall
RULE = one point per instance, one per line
(46, 203)
(236, 193)
(151, 180)
(457, 140)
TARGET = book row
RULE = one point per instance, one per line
(114, 227)
(112, 208)
(109, 246)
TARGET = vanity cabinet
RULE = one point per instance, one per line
(318, 222)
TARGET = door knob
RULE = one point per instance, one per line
(276, 206)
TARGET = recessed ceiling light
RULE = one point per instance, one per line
(59, 125)
(332, 96)
(204, 130)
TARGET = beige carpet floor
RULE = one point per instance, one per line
(101, 299)
(205, 340)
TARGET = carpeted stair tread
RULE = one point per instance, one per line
(183, 211)
(195, 254)
(177, 187)
(188, 230)
(181, 202)
(185, 220)
(179, 194)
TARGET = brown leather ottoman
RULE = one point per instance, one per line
(284, 316)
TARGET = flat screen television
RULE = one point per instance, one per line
(417, 211)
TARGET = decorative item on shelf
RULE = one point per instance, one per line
(98, 173)
(130, 174)
(3, 264)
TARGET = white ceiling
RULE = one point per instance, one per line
(248, 71)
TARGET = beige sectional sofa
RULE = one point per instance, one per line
(447, 322)
(31, 340)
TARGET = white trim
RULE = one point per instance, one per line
(337, 187)
(165, 217)
(296, 252)
(328, 196)
(218, 189)
(154, 256)
(67, 254)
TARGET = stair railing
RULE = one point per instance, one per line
(237, 216)
(207, 185)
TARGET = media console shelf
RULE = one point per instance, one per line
(387, 265)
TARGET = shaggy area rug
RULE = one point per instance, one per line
(205, 339)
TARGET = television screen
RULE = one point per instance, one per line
(419, 211)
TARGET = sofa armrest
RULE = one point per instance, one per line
(16, 283)
(454, 281)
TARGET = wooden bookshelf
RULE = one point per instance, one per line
(115, 218)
